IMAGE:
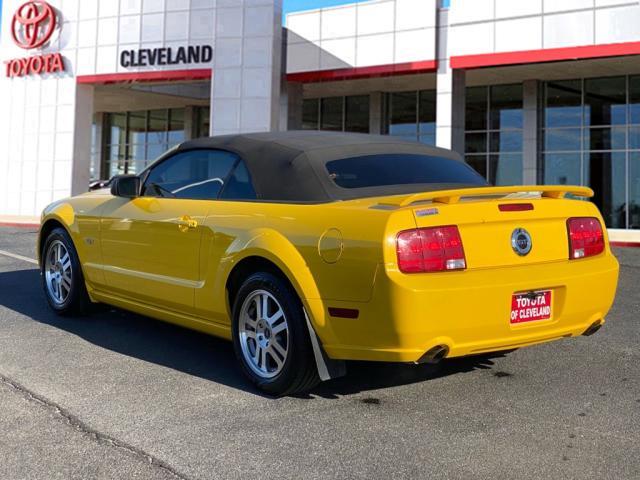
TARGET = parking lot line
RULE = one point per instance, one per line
(18, 257)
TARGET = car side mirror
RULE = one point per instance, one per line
(127, 186)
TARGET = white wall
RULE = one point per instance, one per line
(493, 26)
(37, 125)
(379, 32)
(44, 153)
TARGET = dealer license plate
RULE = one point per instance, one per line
(531, 306)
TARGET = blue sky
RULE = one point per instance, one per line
(298, 5)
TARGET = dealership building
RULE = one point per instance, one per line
(528, 91)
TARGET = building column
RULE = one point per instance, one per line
(376, 123)
(530, 147)
(290, 106)
(247, 68)
(450, 95)
(83, 121)
(190, 123)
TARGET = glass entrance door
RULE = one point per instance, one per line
(134, 139)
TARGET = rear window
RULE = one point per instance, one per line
(400, 169)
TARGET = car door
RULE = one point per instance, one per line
(233, 215)
(151, 243)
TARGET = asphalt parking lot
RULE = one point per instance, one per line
(116, 395)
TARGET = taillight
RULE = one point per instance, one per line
(585, 237)
(435, 249)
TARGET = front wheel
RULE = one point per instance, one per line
(62, 279)
(270, 336)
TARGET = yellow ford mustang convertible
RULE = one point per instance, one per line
(307, 249)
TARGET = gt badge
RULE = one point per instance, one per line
(521, 242)
(427, 212)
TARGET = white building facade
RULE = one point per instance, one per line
(528, 91)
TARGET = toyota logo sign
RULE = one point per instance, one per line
(33, 24)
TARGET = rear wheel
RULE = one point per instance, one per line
(62, 279)
(270, 336)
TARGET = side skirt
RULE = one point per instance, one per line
(188, 321)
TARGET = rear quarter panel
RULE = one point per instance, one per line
(328, 251)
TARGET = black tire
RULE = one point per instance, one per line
(299, 372)
(77, 301)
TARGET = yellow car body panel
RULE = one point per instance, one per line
(171, 259)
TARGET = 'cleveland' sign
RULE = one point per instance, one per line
(151, 57)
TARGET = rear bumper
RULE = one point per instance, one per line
(468, 312)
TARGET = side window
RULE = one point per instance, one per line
(196, 174)
(239, 186)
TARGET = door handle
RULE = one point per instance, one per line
(186, 223)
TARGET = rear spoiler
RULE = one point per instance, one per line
(454, 196)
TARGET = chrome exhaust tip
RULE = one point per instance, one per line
(434, 355)
(595, 326)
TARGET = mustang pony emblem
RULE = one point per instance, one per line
(521, 242)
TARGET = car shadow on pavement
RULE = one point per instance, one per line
(368, 376)
(199, 354)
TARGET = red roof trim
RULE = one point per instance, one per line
(155, 76)
(545, 55)
(427, 66)
(625, 244)
(19, 225)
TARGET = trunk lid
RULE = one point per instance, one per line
(495, 238)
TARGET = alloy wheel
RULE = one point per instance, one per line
(58, 272)
(264, 334)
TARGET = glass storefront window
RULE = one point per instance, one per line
(137, 128)
(476, 106)
(203, 122)
(427, 116)
(506, 107)
(505, 141)
(494, 140)
(331, 114)
(310, 114)
(478, 163)
(403, 115)
(633, 186)
(563, 104)
(562, 169)
(412, 115)
(605, 101)
(427, 111)
(476, 142)
(562, 139)
(605, 173)
(590, 137)
(634, 100)
(96, 140)
(176, 126)
(118, 127)
(137, 138)
(116, 159)
(157, 129)
(337, 114)
(137, 158)
(634, 138)
(356, 117)
(505, 169)
(605, 138)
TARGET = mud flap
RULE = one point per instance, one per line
(327, 368)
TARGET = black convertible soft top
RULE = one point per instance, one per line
(291, 166)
